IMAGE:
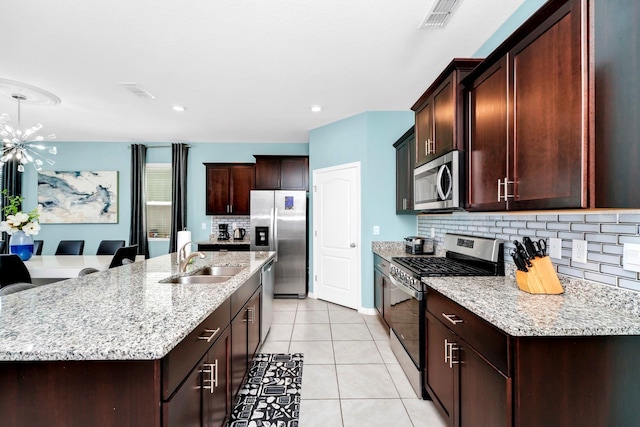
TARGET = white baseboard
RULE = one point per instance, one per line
(368, 311)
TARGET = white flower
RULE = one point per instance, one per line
(18, 219)
(31, 228)
(4, 227)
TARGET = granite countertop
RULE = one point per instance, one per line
(388, 250)
(584, 309)
(125, 313)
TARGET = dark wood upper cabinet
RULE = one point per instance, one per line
(549, 150)
(560, 90)
(282, 172)
(228, 188)
(616, 60)
(405, 163)
(439, 113)
(487, 149)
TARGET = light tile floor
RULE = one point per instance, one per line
(350, 376)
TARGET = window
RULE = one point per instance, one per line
(159, 200)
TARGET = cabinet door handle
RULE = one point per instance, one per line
(212, 370)
(251, 317)
(505, 184)
(213, 333)
(404, 203)
(449, 348)
(452, 318)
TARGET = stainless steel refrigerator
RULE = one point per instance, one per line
(279, 223)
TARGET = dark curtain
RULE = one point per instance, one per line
(138, 232)
(12, 182)
(179, 154)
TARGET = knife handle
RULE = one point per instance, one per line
(530, 246)
(522, 252)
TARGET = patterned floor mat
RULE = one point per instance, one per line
(271, 396)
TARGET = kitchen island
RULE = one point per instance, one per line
(112, 348)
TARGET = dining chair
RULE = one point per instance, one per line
(1, 246)
(109, 247)
(13, 270)
(123, 256)
(16, 287)
(37, 247)
(70, 247)
(127, 253)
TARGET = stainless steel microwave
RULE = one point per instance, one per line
(437, 185)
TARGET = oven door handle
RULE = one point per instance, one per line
(406, 289)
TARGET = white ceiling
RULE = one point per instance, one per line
(246, 70)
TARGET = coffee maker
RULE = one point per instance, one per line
(223, 232)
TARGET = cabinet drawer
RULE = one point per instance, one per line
(489, 341)
(381, 264)
(242, 295)
(177, 364)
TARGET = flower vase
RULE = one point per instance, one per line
(21, 244)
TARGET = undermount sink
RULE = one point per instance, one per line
(185, 280)
(218, 274)
(218, 271)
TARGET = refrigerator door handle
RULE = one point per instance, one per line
(275, 231)
(272, 232)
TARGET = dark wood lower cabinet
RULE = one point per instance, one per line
(535, 381)
(204, 398)
(441, 379)
(246, 340)
(216, 393)
(238, 351)
(80, 393)
(491, 406)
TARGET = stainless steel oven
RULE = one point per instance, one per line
(404, 312)
(438, 184)
(404, 305)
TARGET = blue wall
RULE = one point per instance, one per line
(366, 138)
(116, 156)
(510, 25)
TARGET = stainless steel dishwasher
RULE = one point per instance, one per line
(267, 299)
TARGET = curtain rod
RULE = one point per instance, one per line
(158, 146)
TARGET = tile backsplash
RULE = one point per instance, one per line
(240, 221)
(605, 233)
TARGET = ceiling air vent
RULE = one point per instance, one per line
(135, 89)
(439, 14)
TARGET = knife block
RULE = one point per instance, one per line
(540, 279)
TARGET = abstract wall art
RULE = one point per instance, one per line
(78, 197)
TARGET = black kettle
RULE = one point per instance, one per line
(239, 233)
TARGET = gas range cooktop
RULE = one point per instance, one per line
(465, 256)
(441, 267)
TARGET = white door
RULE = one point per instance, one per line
(336, 243)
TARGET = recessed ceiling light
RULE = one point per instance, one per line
(316, 108)
(178, 108)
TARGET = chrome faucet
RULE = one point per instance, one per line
(185, 259)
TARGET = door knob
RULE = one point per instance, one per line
(353, 245)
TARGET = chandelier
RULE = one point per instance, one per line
(23, 145)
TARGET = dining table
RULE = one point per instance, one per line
(51, 268)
